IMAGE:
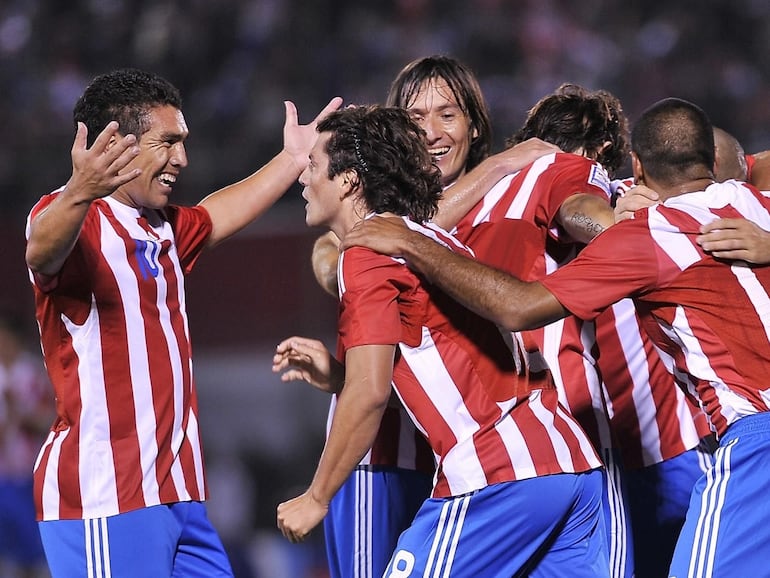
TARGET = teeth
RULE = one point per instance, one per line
(439, 151)
(167, 179)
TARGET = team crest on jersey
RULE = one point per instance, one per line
(147, 256)
(599, 178)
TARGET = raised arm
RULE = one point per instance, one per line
(96, 173)
(461, 197)
(357, 417)
(510, 303)
(235, 206)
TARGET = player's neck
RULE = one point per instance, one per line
(686, 187)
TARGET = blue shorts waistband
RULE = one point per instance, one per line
(750, 424)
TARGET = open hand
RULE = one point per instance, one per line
(308, 360)
(98, 171)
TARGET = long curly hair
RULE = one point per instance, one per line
(574, 118)
(125, 95)
(387, 152)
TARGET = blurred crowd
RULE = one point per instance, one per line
(237, 60)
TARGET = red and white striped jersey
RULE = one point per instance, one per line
(115, 339)
(710, 316)
(651, 419)
(535, 195)
(464, 385)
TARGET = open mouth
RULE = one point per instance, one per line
(439, 152)
(167, 179)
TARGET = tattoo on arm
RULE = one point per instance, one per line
(583, 222)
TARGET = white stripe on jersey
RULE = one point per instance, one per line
(732, 405)
(51, 495)
(427, 366)
(193, 430)
(586, 447)
(668, 237)
(631, 343)
(141, 382)
(98, 472)
(516, 445)
(560, 446)
(524, 194)
(707, 528)
(756, 293)
(489, 200)
(443, 549)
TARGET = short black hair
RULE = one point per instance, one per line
(674, 141)
(125, 95)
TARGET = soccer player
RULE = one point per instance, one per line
(380, 499)
(500, 436)
(705, 312)
(119, 482)
(562, 198)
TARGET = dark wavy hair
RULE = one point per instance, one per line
(386, 149)
(465, 88)
(674, 141)
(575, 118)
(125, 95)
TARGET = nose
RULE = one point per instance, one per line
(179, 155)
(431, 127)
(303, 178)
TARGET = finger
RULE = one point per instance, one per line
(81, 137)
(719, 224)
(103, 138)
(291, 113)
(333, 105)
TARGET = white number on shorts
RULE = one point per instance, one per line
(402, 558)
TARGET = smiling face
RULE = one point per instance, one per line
(326, 204)
(161, 157)
(448, 132)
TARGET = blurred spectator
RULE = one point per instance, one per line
(26, 413)
(234, 58)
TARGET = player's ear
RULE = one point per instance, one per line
(349, 182)
(637, 169)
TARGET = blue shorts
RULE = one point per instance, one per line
(540, 527)
(659, 496)
(173, 540)
(366, 517)
(19, 537)
(617, 516)
(727, 530)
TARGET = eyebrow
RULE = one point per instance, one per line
(439, 108)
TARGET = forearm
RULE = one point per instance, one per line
(357, 417)
(235, 206)
(507, 301)
(352, 434)
(469, 189)
(54, 231)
